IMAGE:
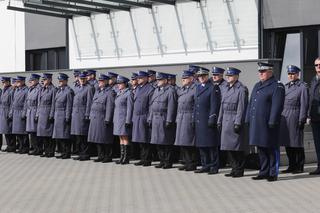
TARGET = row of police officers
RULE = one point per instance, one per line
(205, 116)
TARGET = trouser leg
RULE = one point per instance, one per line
(316, 138)
(238, 160)
(264, 161)
(84, 146)
(168, 155)
(214, 159)
(291, 158)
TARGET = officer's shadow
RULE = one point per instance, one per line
(304, 175)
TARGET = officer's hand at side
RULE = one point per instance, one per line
(169, 125)
(219, 127)
(301, 125)
(127, 125)
(9, 118)
(107, 123)
(272, 126)
(212, 125)
(193, 125)
(67, 121)
(36, 119)
(23, 117)
(237, 128)
(87, 119)
(149, 124)
(51, 119)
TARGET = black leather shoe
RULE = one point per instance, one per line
(50, 156)
(229, 174)
(98, 160)
(191, 168)
(43, 155)
(260, 177)
(146, 164)
(315, 172)
(288, 170)
(84, 158)
(272, 178)
(298, 171)
(106, 160)
(66, 157)
(160, 165)
(201, 170)
(237, 175)
(140, 163)
(181, 168)
(59, 157)
(167, 166)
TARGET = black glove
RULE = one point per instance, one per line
(212, 125)
(237, 128)
(169, 125)
(149, 124)
(219, 127)
(272, 126)
(67, 121)
(127, 125)
(87, 119)
(51, 120)
(301, 125)
(107, 123)
(36, 119)
(23, 117)
(193, 125)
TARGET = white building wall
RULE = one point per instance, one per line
(12, 38)
(93, 44)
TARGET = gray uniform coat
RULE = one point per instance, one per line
(163, 109)
(123, 112)
(32, 104)
(185, 134)
(232, 112)
(62, 112)
(207, 104)
(102, 110)
(18, 111)
(81, 108)
(5, 105)
(141, 103)
(45, 111)
(295, 110)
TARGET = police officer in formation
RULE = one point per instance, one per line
(80, 120)
(62, 116)
(204, 115)
(185, 131)
(207, 105)
(45, 116)
(17, 114)
(32, 105)
(5, 121)
(231, 121)
(161, 120)
(293, 119)
(140, 127)
(263, 117)
(122, 120)
(101, 118)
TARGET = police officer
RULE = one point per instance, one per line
(76, 82)
(18, 115)
(231, 121)
(45, 116)
(294, 116)
(122, 120)
(5, 122)
(217, 79)
(91, 77)
(207, 104)
(172, 81)
(152, 78)
(263, 117)
(140, 128)
(314, 112)
(32, 104)
(101, 118)
(185, 133)
(161, 120)
(62, 116)
(80, 116)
